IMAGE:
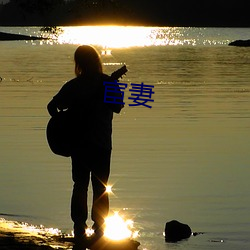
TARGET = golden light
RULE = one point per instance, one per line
(27, 229)
(108, 189)
(110, 36)
(116, 228)
(107, 36)
(89, 232)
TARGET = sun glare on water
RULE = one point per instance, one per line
(117, 228)
(106, 36)
(110, 37)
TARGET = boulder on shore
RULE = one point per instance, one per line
(176, 231)
(240, 43)
(15, 37)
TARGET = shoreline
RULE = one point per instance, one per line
(15, 235)
(17, 37)
(18, 235)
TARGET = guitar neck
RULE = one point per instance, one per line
(118, 73)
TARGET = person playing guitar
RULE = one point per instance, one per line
(86, 136)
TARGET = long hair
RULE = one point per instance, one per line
(87, 60)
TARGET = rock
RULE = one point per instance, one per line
(176, 231)
(15, 37)
(240, 43)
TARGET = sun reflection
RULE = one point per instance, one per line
(107, 36)
(123, 36)
(116, 228)
(110, 36)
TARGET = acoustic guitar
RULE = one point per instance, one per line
(59, 128)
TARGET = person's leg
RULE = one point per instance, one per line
(79, 207)
(99, 178)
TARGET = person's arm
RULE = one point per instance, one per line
(61, 100)
(52, 108)
(116, 108)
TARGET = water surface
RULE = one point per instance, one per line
(187, 158)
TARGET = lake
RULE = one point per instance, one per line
(186, 158)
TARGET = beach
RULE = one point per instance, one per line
(14, 235)
(186, 158)
(19, 235)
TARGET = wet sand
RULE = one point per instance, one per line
(12, 241)
(15, 235)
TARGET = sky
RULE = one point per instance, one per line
(194, 12)
(187, 13)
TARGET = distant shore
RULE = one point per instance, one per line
(15, 37)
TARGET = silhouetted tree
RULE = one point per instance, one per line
(40, 6)
(30, 12)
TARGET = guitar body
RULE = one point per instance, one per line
(59, 133)
(60, 129)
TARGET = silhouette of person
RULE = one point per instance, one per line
(92, 128)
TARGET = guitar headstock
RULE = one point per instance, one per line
(119, 73)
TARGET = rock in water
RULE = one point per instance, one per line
(176, 231)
